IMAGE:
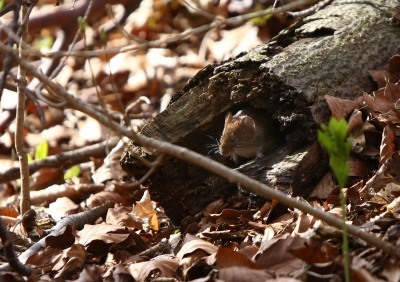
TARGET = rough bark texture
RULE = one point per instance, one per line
(328, 53)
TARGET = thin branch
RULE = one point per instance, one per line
(8, 61)
(9, 253)
(71, 158)
(157, 43)
(77, 221)
(121, 28)
(19, 132)
(310, 10)
(135, 185)
(209, 164)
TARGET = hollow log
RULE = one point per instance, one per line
(328, 53)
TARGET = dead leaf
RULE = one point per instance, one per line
(46, 258)
(72, 260)
(214, 207)
(393, 164)
(239, 274)
(192, 243)
(358, 166)
(103, 197)
(157, 268)
(355, 120)
(123, 216)
(324, 187)
(387, 146)
(275, 255)
(61, 207)
(392, 92)
(340, 107)
(315, 252)
(145, 210)
(393, 65)
(382, 77)
(226, 257)
(97, 239)
(111, 168)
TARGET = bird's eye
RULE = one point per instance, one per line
(233, 139)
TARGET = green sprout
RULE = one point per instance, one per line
(334, 139)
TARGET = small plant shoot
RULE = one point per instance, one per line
(334, 139)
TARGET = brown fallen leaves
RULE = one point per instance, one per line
(134, 241)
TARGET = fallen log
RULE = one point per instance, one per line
(327, 53)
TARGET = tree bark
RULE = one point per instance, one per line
(328, 53)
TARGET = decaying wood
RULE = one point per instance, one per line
(328, 53)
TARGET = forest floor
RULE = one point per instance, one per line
(90, 222)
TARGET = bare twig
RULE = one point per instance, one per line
(157, 43)
(206, 163)
(120, 28)
(77, 221)
(61, 64)
(19, 133)
(9, 253)
(310, 10)
(8, 61)
(141, 99)
(199, 11)
(71, 158)
(137, 184)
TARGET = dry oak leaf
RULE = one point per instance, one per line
(341, 107)
(192, 243)
(145, 210)
(355, 120)
(393, 165)
(122, 216)
(392, 92)
(386, 108)
(232, 216)
(358, 166)
(98, 238)
(240, 274)
(103, 197)
(61, 207)
(72, 260)
(382, 77)
(214, 207)
(275, 256)
(226, 257)
(157, 268)
(46, 258)
(315, 251)
(394, 65)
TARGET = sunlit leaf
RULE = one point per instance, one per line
(73, 171)
(42, 151)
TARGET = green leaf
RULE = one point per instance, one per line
(2, 4)
(42, 151)
(73, 171)
(334, 139)
(44, 42)
(81, 23)
(103, 35)
(30, 159)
